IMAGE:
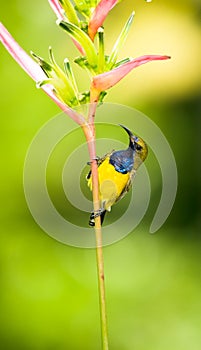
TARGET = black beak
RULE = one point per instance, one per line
(128, 132)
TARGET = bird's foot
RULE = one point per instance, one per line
(97, 160)
(97, 213)
(100, 212)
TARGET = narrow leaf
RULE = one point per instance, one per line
(70, 75)
(120, 41)
(70, 11)
(123, 61)
(83, 39)
(101, 50)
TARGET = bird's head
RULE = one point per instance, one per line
(138, 146)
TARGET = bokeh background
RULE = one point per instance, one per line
(48, 294)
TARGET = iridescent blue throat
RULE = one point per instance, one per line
(123, 160)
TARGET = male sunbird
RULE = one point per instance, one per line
(116, 171)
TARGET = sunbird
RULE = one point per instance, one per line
(116, 171)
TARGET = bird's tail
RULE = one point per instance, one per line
(92, 218)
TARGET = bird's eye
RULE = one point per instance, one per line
(138, 147)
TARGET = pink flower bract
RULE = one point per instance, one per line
(98, 16)
(34, 71)
(106, 80)
(55, 5)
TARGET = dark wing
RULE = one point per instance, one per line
(99, 162)
(128, 185)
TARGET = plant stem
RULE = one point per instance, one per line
(89, 130)
(101, 287)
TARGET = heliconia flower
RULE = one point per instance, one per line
(106, 80)
(35, 72)
(98, 16)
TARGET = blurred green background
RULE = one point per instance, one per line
(48, 294)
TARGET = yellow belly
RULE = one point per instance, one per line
(111, 183)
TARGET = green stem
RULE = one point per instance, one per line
(101, 286)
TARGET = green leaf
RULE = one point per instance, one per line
(101, 97)
(63, 86)
(84, 98)
(119, 63)
(83, 39)
(101, 49)
(70, 11)
(83, 63)
(46, 67)
(83, 7)
(120, 41)
(70, 75)
(39, 84)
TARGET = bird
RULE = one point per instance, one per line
(116, 171)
